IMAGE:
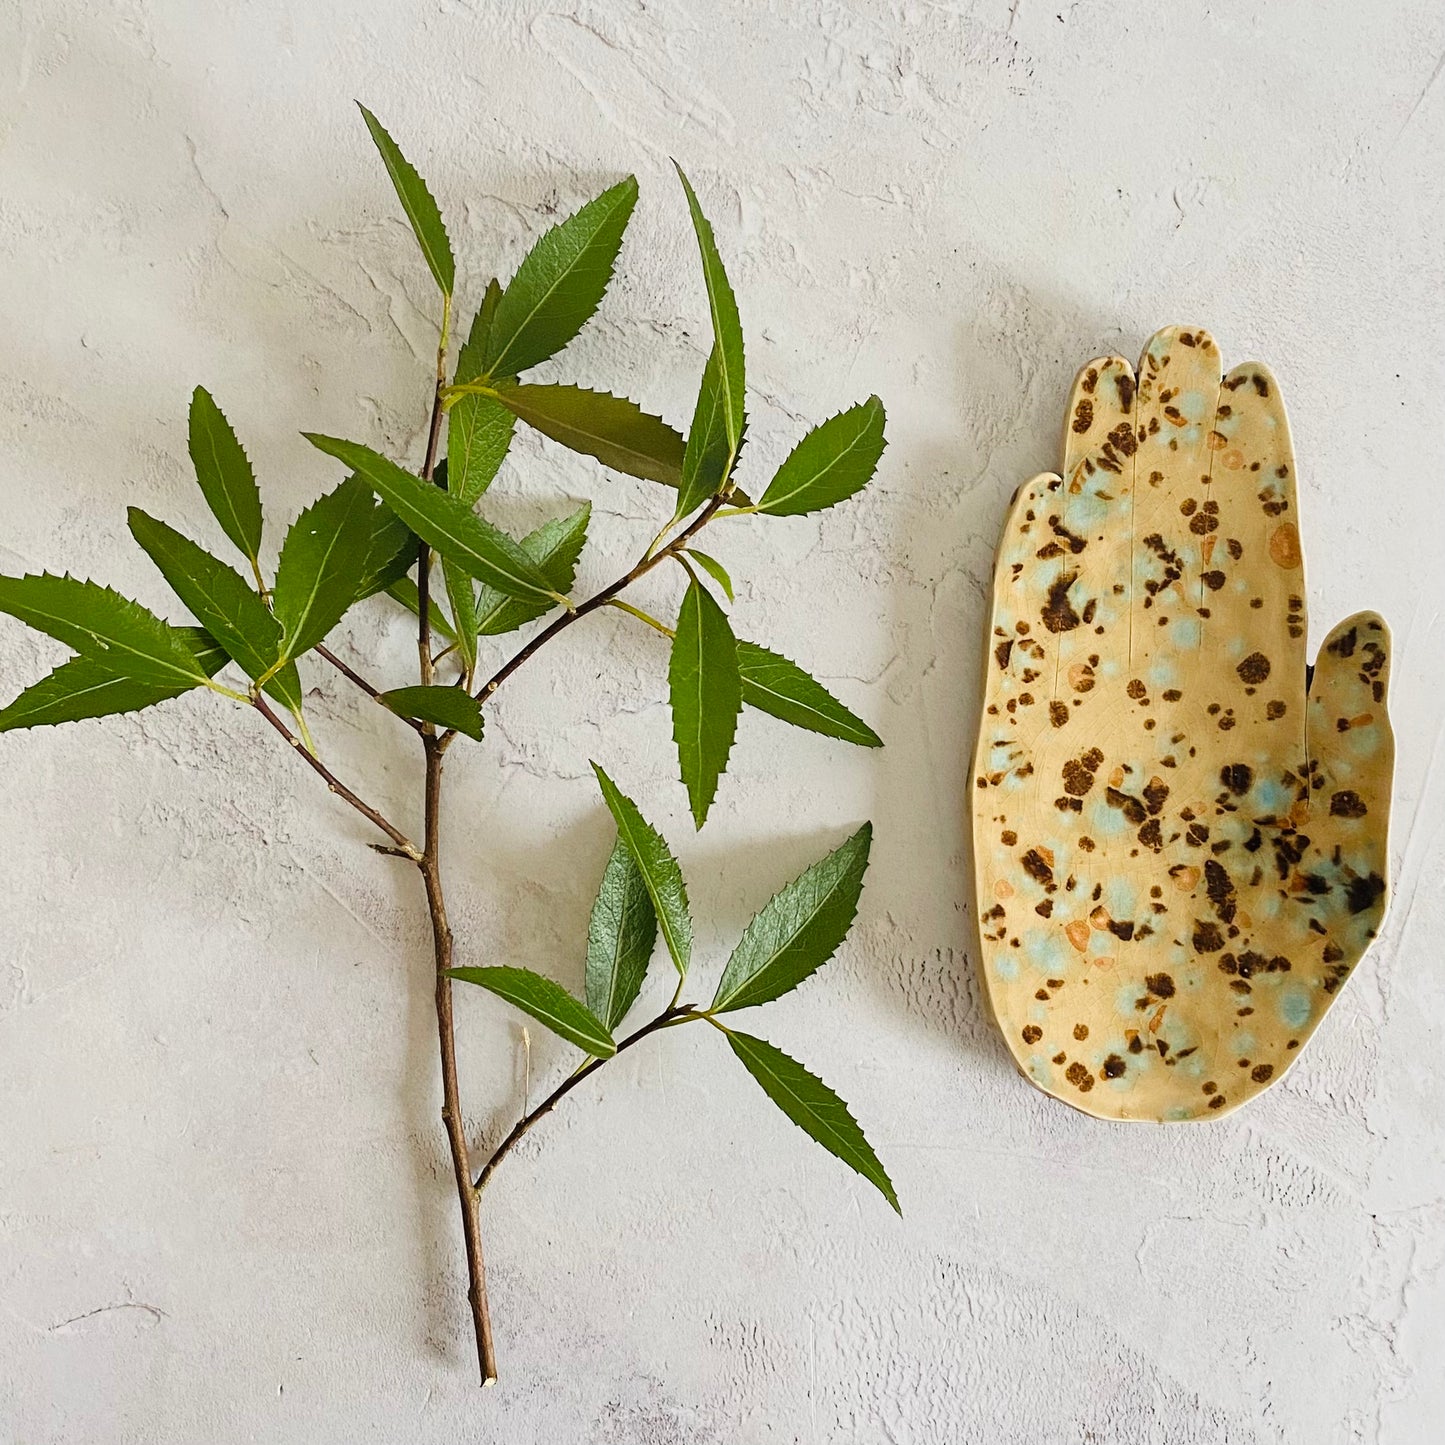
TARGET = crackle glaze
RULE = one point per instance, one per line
(1180, 837)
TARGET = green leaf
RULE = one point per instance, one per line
(774, 685)
(471, 359)
(714, 569)
(222, 602)
(611, 428)
(555, 547)
(813, 1107)
(99, 623)
(224, 473)
(207, 651)
(798, 929)
(479, 434)
(660, 874)
(727, 330)
(421, 210)
(444, 523)
(85, 688)
(479, 428)
(390, 555)
(548, 1002)
(620, 937)
(404, 591)
(706, 695)
(559, 284)
(323, 561)
(709, 455)
(462, 594)
(448, 707)
(832, 462)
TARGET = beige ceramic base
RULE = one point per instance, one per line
(1180, 851)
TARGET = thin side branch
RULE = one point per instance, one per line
(403, 843)
(669, 1018)
(351, 675)
(645, 564)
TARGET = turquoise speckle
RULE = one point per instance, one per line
(1006, 967)
(1270, 796)
(1044, 949)
(1295, 1005)
(1125, 1000)
(1121, 898)
(1106, 822)
(1187, 631)
(1162, 674)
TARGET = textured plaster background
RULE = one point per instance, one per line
(224, 1209)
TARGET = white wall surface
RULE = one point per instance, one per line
(225, 1210)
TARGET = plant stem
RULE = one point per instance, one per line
(442, 945)
(402, 842)
(468, 1195)
(645, 564)
(669, 1018)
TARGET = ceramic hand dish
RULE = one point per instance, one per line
(1180, 830)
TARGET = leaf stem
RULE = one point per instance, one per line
(670, 1017)
(261, 588)
(307, 741)
(225, 691)
(645, 564)
(641, 616)
(335, 784)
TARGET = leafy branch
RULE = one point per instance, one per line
(420, 540)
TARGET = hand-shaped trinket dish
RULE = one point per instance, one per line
(1180, 830)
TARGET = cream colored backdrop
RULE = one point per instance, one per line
(224, 1208)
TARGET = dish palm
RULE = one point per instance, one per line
(1180, 836)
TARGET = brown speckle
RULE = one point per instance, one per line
(1207, 938)
(1058, 612)
(1237, 777)
(1254, 669)
(1038, 868)
(1363, 893)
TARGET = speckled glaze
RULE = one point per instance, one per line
(1180, 836)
